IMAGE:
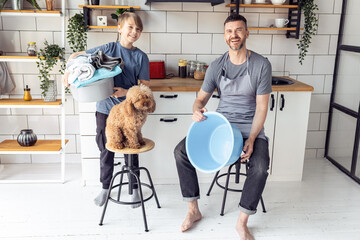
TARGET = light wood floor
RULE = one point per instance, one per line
(325, 205)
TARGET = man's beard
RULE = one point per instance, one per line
(238, 48)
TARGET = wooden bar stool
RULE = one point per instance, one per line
(226, 188)
(131, 170)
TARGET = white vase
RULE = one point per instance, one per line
(51, 93)
(17, 4)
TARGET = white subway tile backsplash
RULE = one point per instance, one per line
(324, 64)
(283, 45)
(87, 107)
(320, 153)
(170, 6)
(26, 111)
(15, 158)
(267, 19)
(153, 21)
(328, 83)
(338, 6)
(33, 83)
(182, 22)
(198, 7)
(314, 121)
(259, 10)
(96, 39)
(70, 146)
(219, 45)
(1, 28)
(325, 6)
(171, 64)
(71, 124)
(277, 62)
(319, 44)
(48, 24)
(38, 37)
(207, 58)
(4, 111)
(10, 41)
(156, 57)
(19, 84)
(12, 124)
(165, 43)
(48, 158)
(320, 103)
(324, 117)
(196, 43)
(143, 42)
(19, 23)
(44, 124)
(317, 81)
(25, 68)
(310, 153)
(333, 44)
(78, 143)
(259, 43)
(315, 139)
(293, 66)
(211, 22)
(329, 24)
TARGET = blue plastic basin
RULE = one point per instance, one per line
(213, 143)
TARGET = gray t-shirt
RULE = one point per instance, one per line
(241, 114)
(136, 67)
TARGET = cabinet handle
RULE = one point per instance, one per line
(282, 102)
(215, 96)
(168, 119)
(168, 96)
(272, 102)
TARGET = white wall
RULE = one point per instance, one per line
(173, 31)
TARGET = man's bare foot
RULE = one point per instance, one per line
(244, 233)
(190, 219)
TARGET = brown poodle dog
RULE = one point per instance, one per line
(123, 126)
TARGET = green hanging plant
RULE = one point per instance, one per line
(76, 33)
(32, 2)
(118, 13)
(48, 59)
(310, 26)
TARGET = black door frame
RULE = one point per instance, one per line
(341, 108)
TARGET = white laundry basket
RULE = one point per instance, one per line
(95, 91)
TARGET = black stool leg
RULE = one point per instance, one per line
(121, 181)
(212, 184)
(108, 196)
(225, 191)
(141, 199)
(151, 185)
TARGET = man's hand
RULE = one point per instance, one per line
(64, 79)
(248, 149)
(120, 92)
(198, 116)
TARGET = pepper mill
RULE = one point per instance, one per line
(27, 95)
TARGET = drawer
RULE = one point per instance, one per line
(174, 102)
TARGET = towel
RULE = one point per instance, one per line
(7, 84)
(80, 68)
(101, 60)
(99, 74)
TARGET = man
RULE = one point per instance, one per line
(243, 80)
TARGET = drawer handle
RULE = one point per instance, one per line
(168, 96)
(215, 96)
(168, 119)
(282, 102)
(272, 102)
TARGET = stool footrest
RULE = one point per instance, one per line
(223, 187)
(131, 203)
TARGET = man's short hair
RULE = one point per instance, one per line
(236, 17)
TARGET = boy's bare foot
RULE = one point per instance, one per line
(190, 219)
(244, 233)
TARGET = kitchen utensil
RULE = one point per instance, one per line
(213, 143)
(281, 22)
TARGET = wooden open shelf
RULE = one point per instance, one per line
(28, 11)
(20, 101)
(107, 7)
(40, 146)
(19, 59)
(262, 6)
(102, 27)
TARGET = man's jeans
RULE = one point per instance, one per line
(254, 183)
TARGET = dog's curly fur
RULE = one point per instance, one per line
(123, 126)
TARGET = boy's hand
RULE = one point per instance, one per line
(64, 79)
(119, 92)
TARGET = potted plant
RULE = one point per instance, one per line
(118, 13)
(18, 4)
(310, 26)
(48, 58)
(76, 33)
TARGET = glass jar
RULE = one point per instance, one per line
(199, 73)
(182, 68)
(192, 68)
(31, 49)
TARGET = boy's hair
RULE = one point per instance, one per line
(236, 17)
(126, 15)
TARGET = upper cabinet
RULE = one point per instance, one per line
(294, 16)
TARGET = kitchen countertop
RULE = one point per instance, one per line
(191, 85)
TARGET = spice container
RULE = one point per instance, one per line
(192, 69)
(182, 68)
(199, 73)
(31, 49)
(27, 95)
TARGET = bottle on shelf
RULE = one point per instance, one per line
(27, 95)
(182, 68)
(31, 49)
